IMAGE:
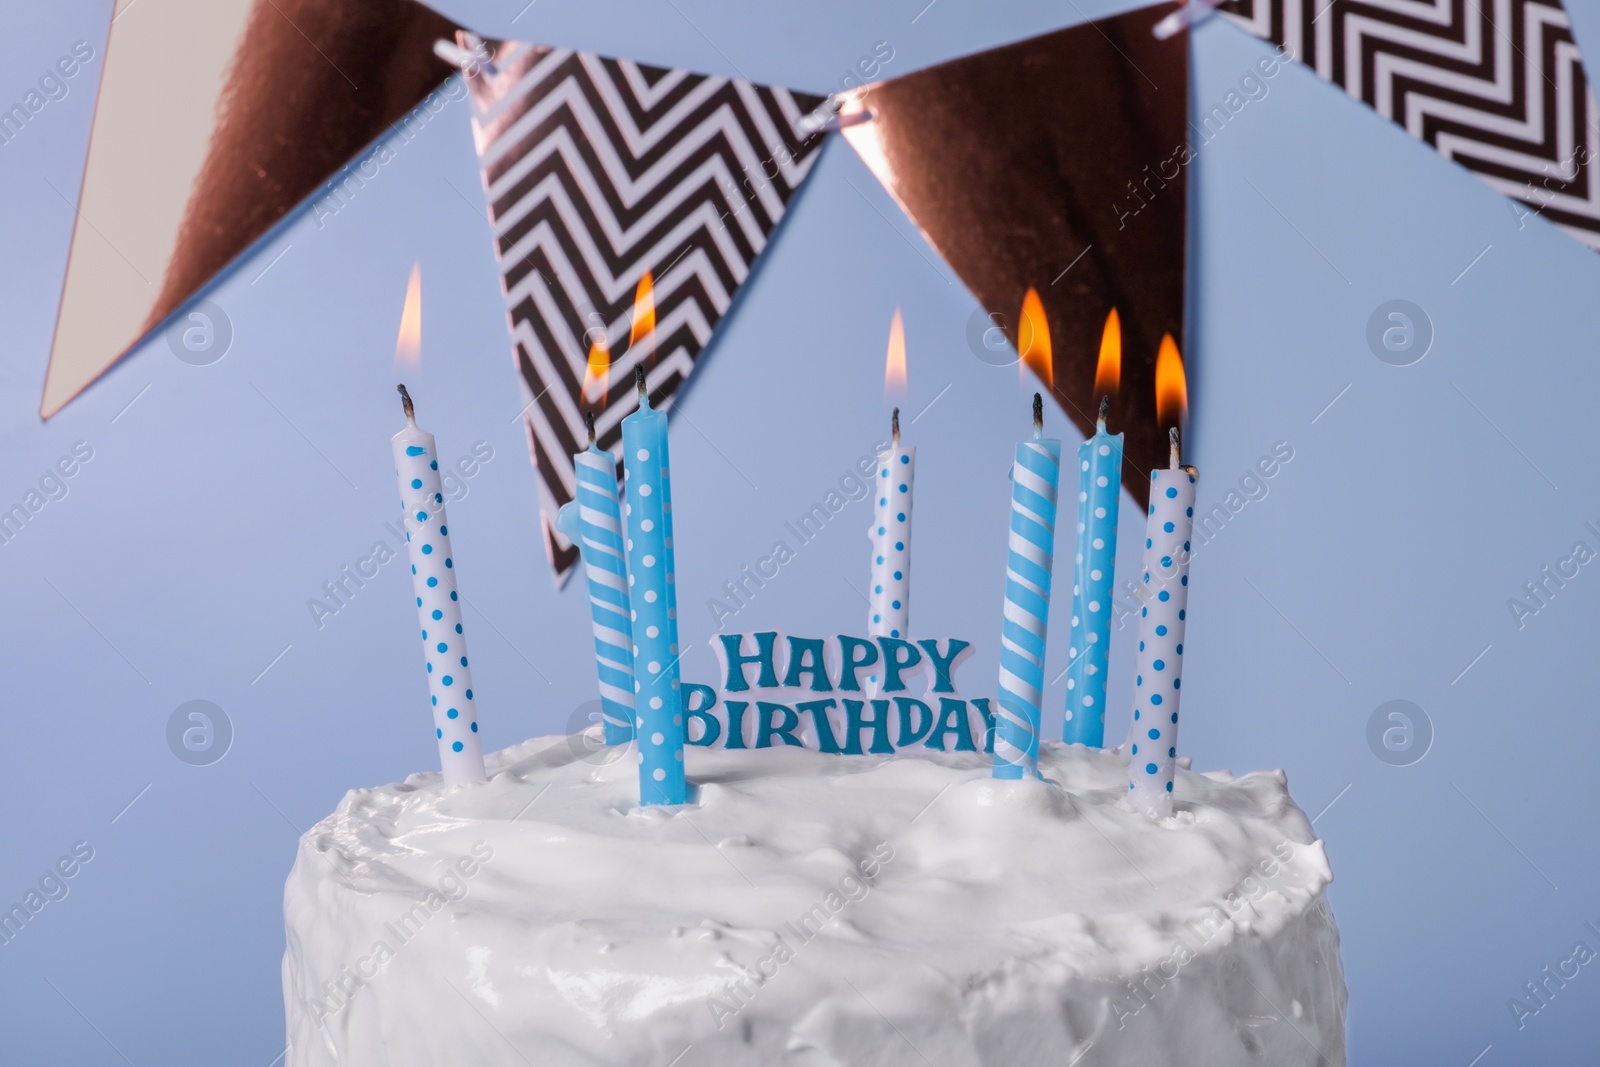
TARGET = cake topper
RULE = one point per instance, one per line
(820, 696)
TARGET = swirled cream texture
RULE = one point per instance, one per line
(811, 910)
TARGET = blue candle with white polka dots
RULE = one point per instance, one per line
(1164, 593)
(651, 590)
(433, 582)
(1035, 477)
(593, 522)
(889, 610)
(1099, 493)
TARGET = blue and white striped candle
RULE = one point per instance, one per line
(1164, 591)
(1035, 476)
(1094, 567)
(651, 581)
(433, 581)
(593, 522)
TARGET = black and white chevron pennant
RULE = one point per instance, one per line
(1496, 85)
(597, 171)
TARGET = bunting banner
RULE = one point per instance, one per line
(1496, 85)
(628, 204)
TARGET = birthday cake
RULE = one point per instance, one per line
(832, 858)
(809, 909)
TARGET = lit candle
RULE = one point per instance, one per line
(658, 707)
(433, 581)
(890, 602)
(1035, 475)
(1164, 591)
(593, 522)
(1094, 566)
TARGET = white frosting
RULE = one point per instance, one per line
(963, 921)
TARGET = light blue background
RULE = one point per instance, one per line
(1378, 566)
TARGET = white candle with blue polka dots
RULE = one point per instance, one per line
(1035, 478)
(652, 591)
(1164, 593)
(593, 522)
(889, 613)
(433, 582)
(1094, 568)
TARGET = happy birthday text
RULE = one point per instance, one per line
(793, 676)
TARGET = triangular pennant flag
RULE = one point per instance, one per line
(602, 173)
(215, 119)
(1498, 87)
(1058, 164)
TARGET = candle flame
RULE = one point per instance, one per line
(894, 362)
(408, 346)
(644, 316)
(1108, 372)
(597, 376)
(1172, 388)
(1033, 340)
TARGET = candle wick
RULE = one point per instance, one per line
(588, 421)
(405, 404)
(1100, 420)
(1038, 415)
(638, 380)
(894, 425)
(1172, 439)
